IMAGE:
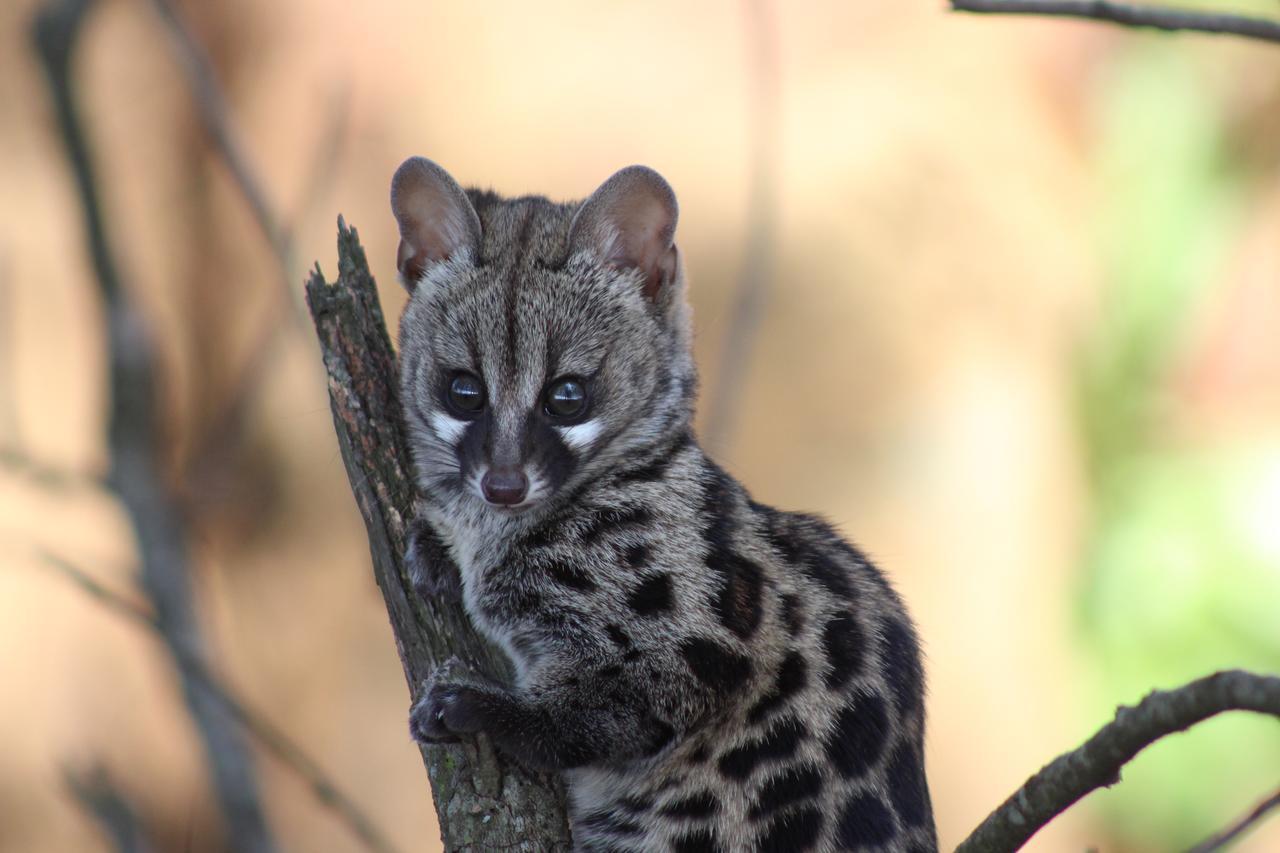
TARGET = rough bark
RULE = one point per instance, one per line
(484, 801)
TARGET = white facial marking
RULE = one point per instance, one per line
(449, 429)
(580, 436)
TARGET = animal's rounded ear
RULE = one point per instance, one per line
(435, 217)
(630, 222)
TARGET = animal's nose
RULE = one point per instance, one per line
(504, 486)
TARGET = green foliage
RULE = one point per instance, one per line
(1182, 574)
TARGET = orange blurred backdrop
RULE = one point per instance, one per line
(956, 240)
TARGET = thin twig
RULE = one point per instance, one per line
(212, 108)
(752, 292)
(1132, 15)
(135, 472)
(1098, 761)
(46, 475)
(1240, 827)
(226, 428)
(98, 796)
(117, 602)
(273, 739)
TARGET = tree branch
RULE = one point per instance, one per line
(97, 795)
(271, 737)
(484, 801)
(226, 430)
(1240, 827)
(749, 298)
(212, 109)
(1131, 15)
(135, 472)
(1097, 763)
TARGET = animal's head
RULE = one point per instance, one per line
(543, 344)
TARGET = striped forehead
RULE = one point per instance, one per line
(513, 353)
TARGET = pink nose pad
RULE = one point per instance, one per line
(505, 487)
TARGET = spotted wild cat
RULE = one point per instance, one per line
(708, 673)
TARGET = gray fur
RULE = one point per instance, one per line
(708, 673)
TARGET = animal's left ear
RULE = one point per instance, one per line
(630, 222)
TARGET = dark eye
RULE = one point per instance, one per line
(566, 398)
(466, 394)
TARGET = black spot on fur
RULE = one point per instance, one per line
(716, 506)
(795, 784)
(661, 738)
(611, 671)
(792, 615)
(865, 821)
(611, 823)
(721, 669)
(779, 742)
(636, 805)
(908, 790)
(648, 473)
(697, 841)
(631, 656)
(637, 556)
(697, 806)
(607, 521)
(651, 597)
(900, 654)
(699, 755)
(617, 635)
(858, 739)
(738, 602)
(821, 567)
(844, 644)
(791, 831)
(543, 535)
(792, 537)
(792, 675)
(656, 468)
(782, 542)
(571, 576)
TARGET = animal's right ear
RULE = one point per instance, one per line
(436, 220)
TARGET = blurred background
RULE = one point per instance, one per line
(1018, 334)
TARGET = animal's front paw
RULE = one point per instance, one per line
(431, 570)
(450, 704)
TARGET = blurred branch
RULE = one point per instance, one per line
(135, 472)
(1240, 827)
(1097, 763)
(1131, 15)
(752, 293)
(213, 111)
(272, 738)
(484, 801)
(48, 476)
(121, 605)
(97, 795)
(226, 430)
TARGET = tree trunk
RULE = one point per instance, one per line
(484, 800)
